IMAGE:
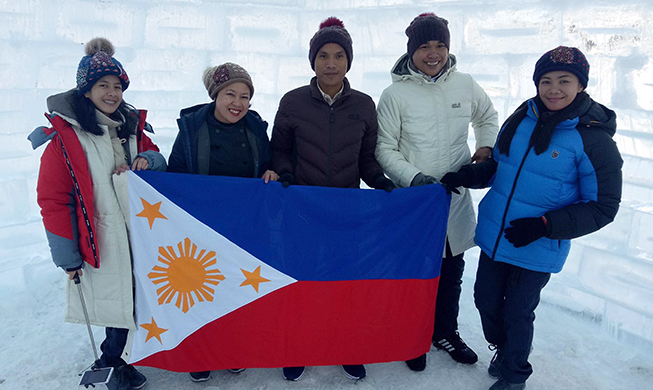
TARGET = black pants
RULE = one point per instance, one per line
(449, 289)
(506, 297)
(112, 347)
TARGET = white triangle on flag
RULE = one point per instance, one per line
(175, 250)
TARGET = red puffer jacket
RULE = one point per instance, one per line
(65, 192)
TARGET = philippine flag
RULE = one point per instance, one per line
(236, 273)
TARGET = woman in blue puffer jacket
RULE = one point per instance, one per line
(555, 175)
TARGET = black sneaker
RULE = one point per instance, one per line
(497, 359)
(417, 364)
(293, 373)
(235, 370)
(457, 349)
(354, 371)
(136, 379)
(119, 379)
(200, 376)
(503, 384)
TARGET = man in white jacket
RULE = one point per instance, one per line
(424, 118)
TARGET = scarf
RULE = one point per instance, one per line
(546, 123)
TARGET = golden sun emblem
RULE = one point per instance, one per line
(187, 275)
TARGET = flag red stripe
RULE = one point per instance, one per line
(311, 324)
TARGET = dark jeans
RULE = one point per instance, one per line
(506, 297)
(112, 347)
(449, 289)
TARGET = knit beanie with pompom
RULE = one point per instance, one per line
(97, 63)
(332, 30)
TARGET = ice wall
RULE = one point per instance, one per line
(165, 45)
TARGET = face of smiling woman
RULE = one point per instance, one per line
(558, 89)
(232, 103)
(431, 57)
(106, 94)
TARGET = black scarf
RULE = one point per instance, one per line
(546, 123)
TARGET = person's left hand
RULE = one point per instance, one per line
(270, 175)
(120, 169)
(482, 154)
(140, 163)
(523, 231)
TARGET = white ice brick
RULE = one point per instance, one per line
(491, 72)
(620, 279)
(530, 30)
(295, 72)
(612, 30)
(14, 202)
(270, 31)
(167, 69)
(638, 170)
(80, 21)
(201, 27)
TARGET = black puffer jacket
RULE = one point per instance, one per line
(322, 145)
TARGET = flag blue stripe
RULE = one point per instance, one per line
(319, 233)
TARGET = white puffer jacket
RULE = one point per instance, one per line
(423, 127)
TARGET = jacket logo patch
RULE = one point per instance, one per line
(455, 105)
(555, 154)
(354, 116)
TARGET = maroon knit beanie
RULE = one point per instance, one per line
(564, 58)
(331, 30)
(427, 27)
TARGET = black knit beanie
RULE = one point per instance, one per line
(427, 27)
(331, 30)
(563, 58)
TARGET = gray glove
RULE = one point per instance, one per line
(422, 180)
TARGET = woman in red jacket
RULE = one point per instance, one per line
(95, 136)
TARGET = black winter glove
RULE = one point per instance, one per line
(523, 231)
(286, 179)
(383, 183)
(450, 181)
(422, 180)
(463, 178)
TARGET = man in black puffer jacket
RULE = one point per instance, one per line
(325, 133)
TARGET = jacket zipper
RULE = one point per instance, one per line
(512, 192)
(82, 206)
(331, 120)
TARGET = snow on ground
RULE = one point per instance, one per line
(40, 351)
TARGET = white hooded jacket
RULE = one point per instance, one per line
(424, 126)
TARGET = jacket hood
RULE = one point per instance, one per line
(600, 117)
(62, 104)
(401, 70)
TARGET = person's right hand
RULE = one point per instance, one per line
(450, 181)
(422, 180)
(71, 274)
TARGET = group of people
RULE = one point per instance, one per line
(553, 170)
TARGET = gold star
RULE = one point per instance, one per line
(151, 212)
(253, 278)
(153, 330)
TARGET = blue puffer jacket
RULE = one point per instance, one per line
(190, 156)
(575, 183)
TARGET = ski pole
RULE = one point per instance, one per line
(88, 322)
